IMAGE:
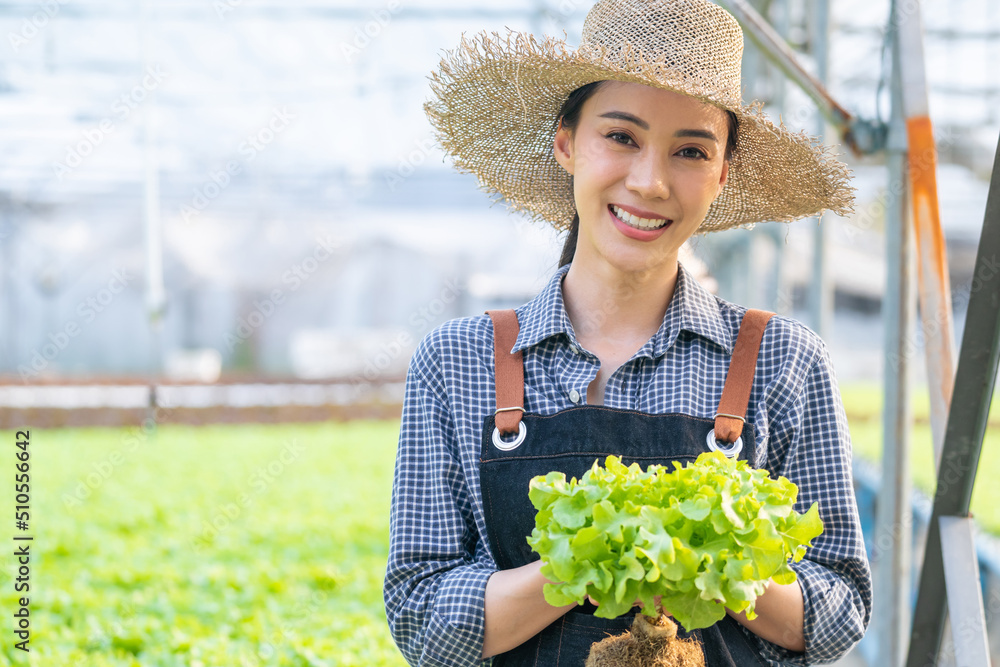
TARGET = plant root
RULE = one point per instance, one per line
(650, 643)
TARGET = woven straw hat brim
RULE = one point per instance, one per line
(494, 111)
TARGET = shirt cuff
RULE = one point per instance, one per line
(831, 622)
(455, 628)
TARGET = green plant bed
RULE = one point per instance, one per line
(863, 404)
(235, 545)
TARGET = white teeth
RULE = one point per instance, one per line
(636, 221)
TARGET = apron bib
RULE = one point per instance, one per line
(517, 446)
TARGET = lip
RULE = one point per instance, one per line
(637, 234)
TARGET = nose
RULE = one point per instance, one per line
(649, 175)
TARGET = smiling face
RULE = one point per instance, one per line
(646, 163)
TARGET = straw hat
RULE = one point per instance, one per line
(495, 104)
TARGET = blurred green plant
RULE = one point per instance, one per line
(863, 405)
(213, 546)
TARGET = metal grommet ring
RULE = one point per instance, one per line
(731, 451)
(522, 431)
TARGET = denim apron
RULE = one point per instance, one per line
(517, 446)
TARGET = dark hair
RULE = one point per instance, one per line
(570, 115)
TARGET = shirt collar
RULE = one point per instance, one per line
(692, 308)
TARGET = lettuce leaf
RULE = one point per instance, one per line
(704, 537)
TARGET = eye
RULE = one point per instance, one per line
(692, 152)
(613, 137)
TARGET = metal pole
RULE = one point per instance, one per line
(7, 272)
(967, 418)
(155, 294)
(778, 52)
(864, 137)
(892, 558)
(934, 282)
(821, 291)
(965, 593)
(779, 300)
(781, 19)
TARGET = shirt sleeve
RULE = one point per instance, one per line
(438, 567)
(834, 575)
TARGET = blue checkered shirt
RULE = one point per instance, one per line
(439, 556)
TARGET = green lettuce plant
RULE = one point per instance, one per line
(704, 537)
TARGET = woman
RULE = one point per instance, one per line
(635, 142)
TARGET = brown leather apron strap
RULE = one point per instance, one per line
(509, 371)
(732, 410)
(730, 415)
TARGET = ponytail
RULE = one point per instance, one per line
(569, 245)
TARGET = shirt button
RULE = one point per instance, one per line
(574, 396)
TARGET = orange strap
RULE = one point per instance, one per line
(735, 394)
(509, 371)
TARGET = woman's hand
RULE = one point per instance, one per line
(780, 616)
(516, 609)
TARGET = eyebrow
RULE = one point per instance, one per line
(621, 115)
